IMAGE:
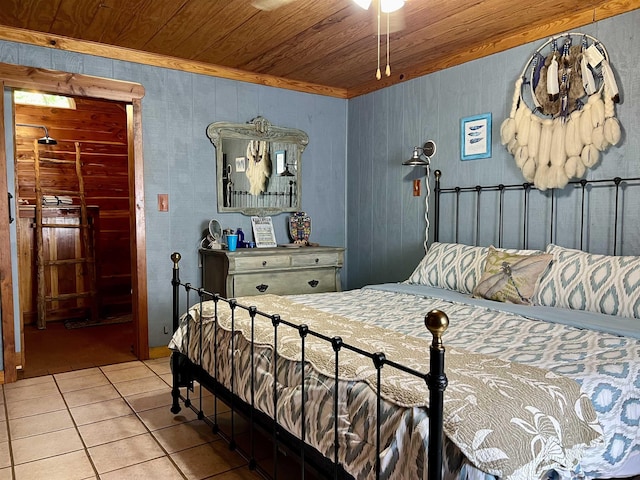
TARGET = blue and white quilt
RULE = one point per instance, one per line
(606, 364)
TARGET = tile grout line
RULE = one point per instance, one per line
(9, 442)
(167, 455)
(75, 425)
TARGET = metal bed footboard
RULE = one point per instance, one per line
(184, 375)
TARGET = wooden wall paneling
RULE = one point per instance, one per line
(102, 127)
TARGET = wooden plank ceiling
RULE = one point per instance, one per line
(322, 46)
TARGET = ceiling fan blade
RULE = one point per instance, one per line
(269, 5)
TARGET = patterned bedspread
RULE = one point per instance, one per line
(485, 444)
(606, 366)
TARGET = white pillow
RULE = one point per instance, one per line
(595, 283)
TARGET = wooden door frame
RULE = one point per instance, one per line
(64, 83)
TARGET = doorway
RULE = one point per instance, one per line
(129, 95)
(73, 232)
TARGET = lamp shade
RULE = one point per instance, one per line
(417, 159)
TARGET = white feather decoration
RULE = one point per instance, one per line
(588, 81)
(558, 153)
(585, 125)
(534, 136)
(507, 130)
(580, 168)
(525, 125)
(612, 130)
(521, 156)
(541, 179)
(597, 110)
(529, 169)
(590, 156)
(597, 138)
(544, 149)
(571, 167)
(512, 146)
(519, 114)
(573, 142)
(610, 81)
(553, 87)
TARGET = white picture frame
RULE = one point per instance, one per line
(263, 232)
(241, 164)
(281, 161)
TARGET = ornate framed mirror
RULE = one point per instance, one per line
(258, 166)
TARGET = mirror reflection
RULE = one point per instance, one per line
(258, 166)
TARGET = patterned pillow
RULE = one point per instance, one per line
(455, 266)
(450, 265)
(511, 278)
(596, 283)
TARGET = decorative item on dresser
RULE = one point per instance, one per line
(279, 271)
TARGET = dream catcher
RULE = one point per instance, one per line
(570, 119)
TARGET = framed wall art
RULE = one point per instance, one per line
(281, 161)
(241, 164)
(475, 137)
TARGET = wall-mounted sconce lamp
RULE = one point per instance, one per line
(46, 140)
(421, 157)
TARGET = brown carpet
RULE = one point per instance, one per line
(57, 349)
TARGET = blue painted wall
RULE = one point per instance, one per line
(386, 225)
(180, 160)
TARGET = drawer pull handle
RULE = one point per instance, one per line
(314, 283)
(264, 263)
(262, 287)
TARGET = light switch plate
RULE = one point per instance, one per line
(163, 202)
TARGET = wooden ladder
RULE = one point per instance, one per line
(46, 265)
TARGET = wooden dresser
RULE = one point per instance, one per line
(281, 271)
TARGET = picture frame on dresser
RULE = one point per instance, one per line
(263, 233)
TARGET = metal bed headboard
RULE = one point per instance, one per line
(584, 187)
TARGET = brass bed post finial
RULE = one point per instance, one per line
(175, 257)
(436, 322)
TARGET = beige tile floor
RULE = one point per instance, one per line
(109, 423)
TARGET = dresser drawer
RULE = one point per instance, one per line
(264, 262)
(312, 259)
(286, 283)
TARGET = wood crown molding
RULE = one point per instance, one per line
(136, 56)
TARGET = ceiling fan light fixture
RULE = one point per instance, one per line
(388, 6)
(363, 3)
